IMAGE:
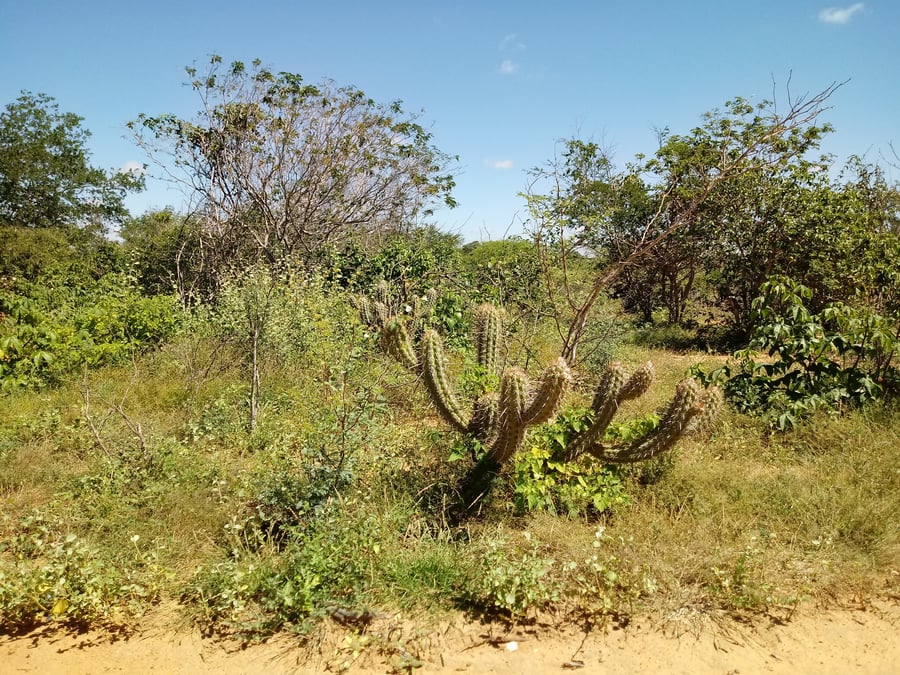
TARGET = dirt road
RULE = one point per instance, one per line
(847, 640)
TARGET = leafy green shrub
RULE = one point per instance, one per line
(297, 494)
(511, 583)
(48, 330)
(576, 488)
(326, 564)
(840, 357)
(46, 576)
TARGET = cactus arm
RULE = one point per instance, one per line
(553, 386)
(615, 387)
(438, 383)
(638, 384)
(605, 406)
(396, 342)
(689, 403)
(712, 401)
(487, 332)
(513, 399)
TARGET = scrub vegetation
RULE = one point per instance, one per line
(299, 402)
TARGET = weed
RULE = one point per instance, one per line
(48, 576)
(509, 582)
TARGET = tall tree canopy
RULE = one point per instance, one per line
(278, 168)
(46, 179)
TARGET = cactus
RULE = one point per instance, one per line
(438, 382)
(500, 421)
(615, 388)
(394, 340)
(692, 410)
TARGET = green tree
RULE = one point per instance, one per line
(836, 237)
(163, 248)
(656, 215)
(282, 169)
(46, 179)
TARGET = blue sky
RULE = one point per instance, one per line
(499, 82)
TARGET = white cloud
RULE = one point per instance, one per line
(508, 67)
(501, 164)
(511, 43)
(133, 167)
(840, 14)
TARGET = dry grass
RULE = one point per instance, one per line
(742, 521)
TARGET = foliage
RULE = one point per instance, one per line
(322, 566)
(695, 207)
(281, 169)
(163, 251)
(843, 356)
(506, 272)
(47, 576)
(410, 260)
(579, 488)
(46, 179)
(50, 330)
(511, 583)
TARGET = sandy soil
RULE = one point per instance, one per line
(847, 640)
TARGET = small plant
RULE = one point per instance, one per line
(324, 565)
(512, 584)
(741, 583)
(575, 488)
(59, 578)
(599, 585)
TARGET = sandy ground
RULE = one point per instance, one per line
(848, 640)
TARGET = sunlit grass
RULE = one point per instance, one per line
(155, 459)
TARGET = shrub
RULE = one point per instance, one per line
(841, 357)
(577, 488)
(60, 578)
(48, 331)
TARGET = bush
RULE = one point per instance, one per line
(49, 330)
(841, 357)
(325, 565)
(581, 488)
(59, 578)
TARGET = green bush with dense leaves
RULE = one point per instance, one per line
(842, 357)
(579, 488)
(49, 330)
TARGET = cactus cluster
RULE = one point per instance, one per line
(691, 410)
(499, 420)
